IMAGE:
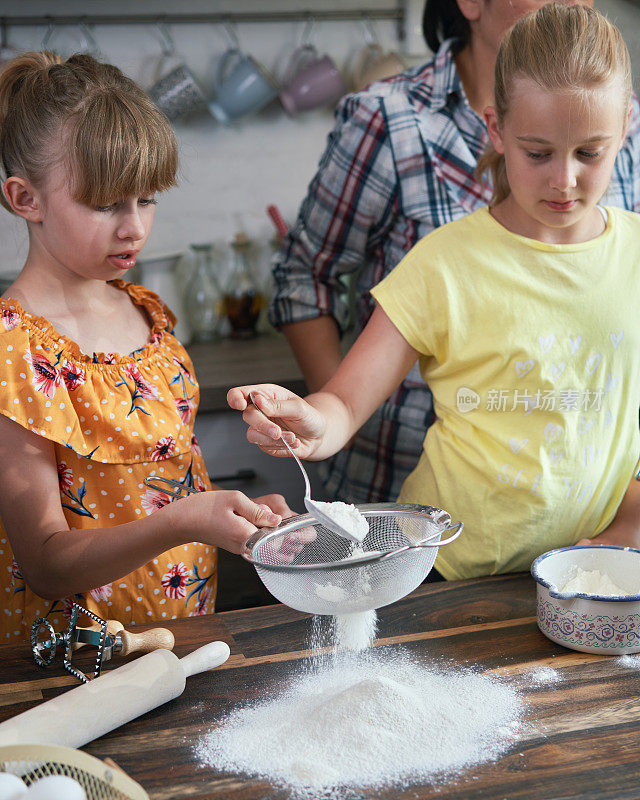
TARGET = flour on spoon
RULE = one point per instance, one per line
(346, 516)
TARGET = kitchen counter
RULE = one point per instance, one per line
(225, 363)
(582, 741)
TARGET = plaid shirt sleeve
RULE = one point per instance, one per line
(347, 211)
(624, 189)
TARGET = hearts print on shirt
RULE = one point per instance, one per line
(517, 446)
(556, 370)
(593, 362)
(555, 456)
(611, 383)
(590, 453)
(547, 342)
(616, 338)
(523, 367)
(551, 432)
(585, 425)
(574, 344)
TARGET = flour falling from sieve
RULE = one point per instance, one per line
(367, 721)
(355, 632)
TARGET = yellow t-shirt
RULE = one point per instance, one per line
(114, 420)
(531, 352)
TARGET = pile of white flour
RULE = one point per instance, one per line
(592, 581)
(364, 722)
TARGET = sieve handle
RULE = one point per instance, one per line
(456, 527)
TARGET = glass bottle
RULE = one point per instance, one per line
(202, 296)
(242, 298)
(263, 325)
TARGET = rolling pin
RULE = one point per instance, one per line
(95, 708)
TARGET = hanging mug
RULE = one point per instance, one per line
(7, 51)
(175, 89)
(242, 87)
(86, 42)
(311, 81)
(373, 64)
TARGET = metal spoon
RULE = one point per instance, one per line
(311, 505)
(314, 509)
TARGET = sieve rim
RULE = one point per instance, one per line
(437, 516)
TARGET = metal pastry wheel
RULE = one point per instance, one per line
(107, 636)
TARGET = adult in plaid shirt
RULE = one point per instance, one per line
(399, 163)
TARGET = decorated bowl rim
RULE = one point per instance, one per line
(620, 598)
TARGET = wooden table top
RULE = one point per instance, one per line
(590, 719)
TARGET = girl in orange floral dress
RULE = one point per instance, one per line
(96, 394)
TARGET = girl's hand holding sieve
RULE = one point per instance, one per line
(225, 518)
(272, 412)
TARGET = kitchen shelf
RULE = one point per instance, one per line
(176, 18)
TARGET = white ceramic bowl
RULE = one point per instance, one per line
(590, 623)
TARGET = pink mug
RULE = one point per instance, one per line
(311, 81)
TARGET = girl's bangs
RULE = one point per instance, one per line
(120, 150)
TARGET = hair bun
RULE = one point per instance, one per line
(15, 72)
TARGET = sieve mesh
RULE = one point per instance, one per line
(308, 567)
(100, 782)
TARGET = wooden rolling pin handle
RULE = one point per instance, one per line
(204, 658)
(146, 642)
(114, 626)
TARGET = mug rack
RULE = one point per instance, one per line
(395, 12)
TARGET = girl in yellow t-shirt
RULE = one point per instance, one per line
(523, 317)
(96, 394)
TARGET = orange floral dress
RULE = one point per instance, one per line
(114, 420)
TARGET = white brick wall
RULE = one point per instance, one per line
(229, 176)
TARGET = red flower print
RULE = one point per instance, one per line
(102, 592)
(175, 580)
(184, 407)
(10, 319)
(201, 607)
(202, 487)
(144, 388)
(156, 338)
(67, 605)
(73, 375)
(153, 499)
(46, 377)
(110, 358)
(195, 447)
(65, 475)
(164, 448)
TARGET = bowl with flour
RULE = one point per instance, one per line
(588, 598)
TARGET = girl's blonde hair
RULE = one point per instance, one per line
(100, 124)
(561, 48)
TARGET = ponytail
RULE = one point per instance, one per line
(493, 163)
(442, 19)
(17, 77)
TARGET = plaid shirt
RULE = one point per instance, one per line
(398, 163)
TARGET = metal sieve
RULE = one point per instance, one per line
(308, 567)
